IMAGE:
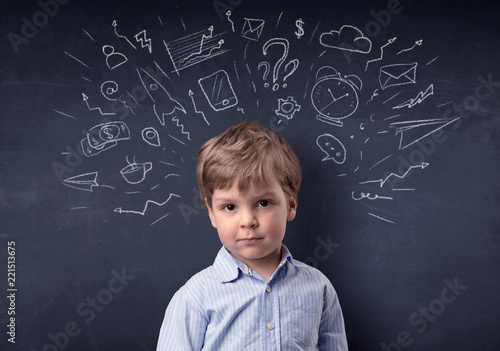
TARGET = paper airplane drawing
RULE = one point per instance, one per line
(82, 181)
(414, 131)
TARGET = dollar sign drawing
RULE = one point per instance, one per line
(108, 132)
(300, 31)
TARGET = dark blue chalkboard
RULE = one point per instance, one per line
(391, 106)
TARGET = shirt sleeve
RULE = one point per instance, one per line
(332, 336)
(184, 325)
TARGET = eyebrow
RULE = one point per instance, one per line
(257, 196)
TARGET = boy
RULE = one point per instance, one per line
(255, 296)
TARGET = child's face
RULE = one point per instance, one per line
(251, 225)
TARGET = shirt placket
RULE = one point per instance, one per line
(271, 316)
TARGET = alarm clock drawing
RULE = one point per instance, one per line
(335, 97)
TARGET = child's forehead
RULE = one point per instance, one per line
(250, 187)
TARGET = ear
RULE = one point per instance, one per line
(210, 213)
(292, 208)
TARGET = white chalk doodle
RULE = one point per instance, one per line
(369, 196)
(109, 89)
(86, 100)
(279, 19)
(421, 96)
(332, 147)
(397, 74)
(218, 90)
(347, 38)
(396, 175)
(381, 218)
(191, 95)
(104, 136)
(267, 68)
(145, 42)
(146, 205)
(151, 136)
(228, 16)
(389, 42)
(135, 173)
(287, 108)
(335, 97)
(86, 181)
(115, 24)
(277, 66)
(300, 28)
(78, 60)
(181, 126)
(252, 28)
(195, 48)
(114, 59)
(87, 33)
(65, 114)
(160, 96)
(414, 131)
(417, 43)
(314, 32)
(379, 162)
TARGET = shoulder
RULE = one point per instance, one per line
(306, 274)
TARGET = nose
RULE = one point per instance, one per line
(248, 219)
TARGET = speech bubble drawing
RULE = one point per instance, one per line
(332, 147)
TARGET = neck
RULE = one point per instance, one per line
(265, 266)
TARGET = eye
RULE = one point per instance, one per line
(264, 203)
(228, 208)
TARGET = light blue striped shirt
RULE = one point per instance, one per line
(227, 306)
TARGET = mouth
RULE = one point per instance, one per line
(250, 240)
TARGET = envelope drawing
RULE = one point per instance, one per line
(252, 28)
(397, 74)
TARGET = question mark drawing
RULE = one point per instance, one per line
(295, 63)
(266, 71)
(286, 45)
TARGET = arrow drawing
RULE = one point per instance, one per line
(191, 94)
(143, 211)
(408, 171)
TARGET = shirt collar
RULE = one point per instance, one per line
(228, 268)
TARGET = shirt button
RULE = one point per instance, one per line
(268, 289)
(270, 326)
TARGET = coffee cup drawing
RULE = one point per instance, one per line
(135, 172)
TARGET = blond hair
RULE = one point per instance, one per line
(246, 153)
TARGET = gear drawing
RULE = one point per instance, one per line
(287, 108)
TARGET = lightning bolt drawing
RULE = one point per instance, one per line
(418, 99)
(144, 41)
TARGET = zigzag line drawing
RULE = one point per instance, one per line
(178, 124)
(120, 210)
